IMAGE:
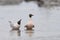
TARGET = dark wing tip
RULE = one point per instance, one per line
(19, 22)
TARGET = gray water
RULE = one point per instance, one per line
(46, 21)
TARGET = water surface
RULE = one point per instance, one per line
(46, 21)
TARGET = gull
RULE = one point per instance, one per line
(16, 25)
(30, 25)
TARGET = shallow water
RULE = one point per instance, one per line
(46, 21)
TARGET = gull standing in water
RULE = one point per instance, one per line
(15, 26)
(30, 25)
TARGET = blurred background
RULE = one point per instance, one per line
(38, 2)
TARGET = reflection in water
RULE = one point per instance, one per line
(29, 32)
(18, 32)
